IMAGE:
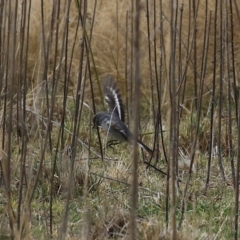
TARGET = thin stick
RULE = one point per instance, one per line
(134, 189)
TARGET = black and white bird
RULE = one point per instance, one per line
(112, 121)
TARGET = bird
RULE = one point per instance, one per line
(112, 121)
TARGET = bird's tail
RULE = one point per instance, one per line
(143, 146)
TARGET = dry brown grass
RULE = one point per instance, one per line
(108, 42)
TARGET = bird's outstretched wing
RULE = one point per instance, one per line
(112, 97)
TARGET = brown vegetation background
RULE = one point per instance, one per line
(109, 42)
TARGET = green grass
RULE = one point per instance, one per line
(104, 208)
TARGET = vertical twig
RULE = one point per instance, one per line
(237, 102)
(130, 88)
(126, 68)
(174, 117)
(150, 54)
(194, 9)
(221, 44)
(23, 221)
(137, 80)
(212, 98)
(229, 99)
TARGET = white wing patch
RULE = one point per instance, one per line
(107, 98)
(123, 131)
